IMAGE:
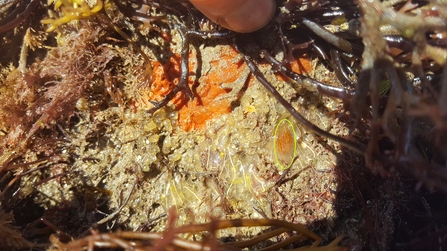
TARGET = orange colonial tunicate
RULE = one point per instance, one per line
(301, 65)
(164, 78)
(194, 114)
(206, 105)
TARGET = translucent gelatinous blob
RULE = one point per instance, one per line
(284, 144)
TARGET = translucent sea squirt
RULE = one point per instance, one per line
(285, 143)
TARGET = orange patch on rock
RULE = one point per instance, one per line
(301, 65)
(205, 106)
(165, 77)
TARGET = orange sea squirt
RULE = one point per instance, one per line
(285, 143)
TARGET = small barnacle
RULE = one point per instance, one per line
(72, 10)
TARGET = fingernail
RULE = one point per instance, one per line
(238, 15)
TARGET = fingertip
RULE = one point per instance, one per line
(238, 15)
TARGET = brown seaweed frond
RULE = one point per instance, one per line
(10, 236)
(48, 92)
(20, 11)
(413, 95)
(75, 10)
(173, 238)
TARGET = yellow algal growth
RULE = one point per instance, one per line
(72, 10)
